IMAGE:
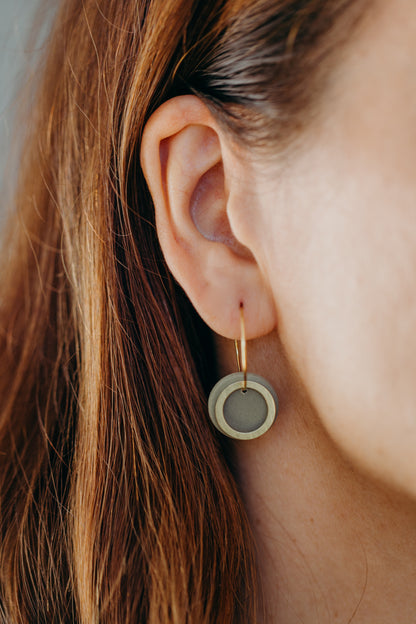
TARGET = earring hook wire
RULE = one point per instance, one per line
(243, 346)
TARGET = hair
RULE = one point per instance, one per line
(117, 499)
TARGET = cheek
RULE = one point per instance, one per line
(341, 251)
(346, 295)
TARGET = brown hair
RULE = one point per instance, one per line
(117, 503)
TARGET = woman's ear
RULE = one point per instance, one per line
(189, 169)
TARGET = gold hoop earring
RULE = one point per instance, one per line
(242, 405)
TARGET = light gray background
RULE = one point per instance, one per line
(16, 18)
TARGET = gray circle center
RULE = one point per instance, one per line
(245, 411)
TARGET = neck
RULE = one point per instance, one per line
(333, 544)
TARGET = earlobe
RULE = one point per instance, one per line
(184, 162)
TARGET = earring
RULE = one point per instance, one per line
(242, 405)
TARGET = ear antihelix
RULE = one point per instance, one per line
(241, 405)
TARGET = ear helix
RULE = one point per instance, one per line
(242, 405)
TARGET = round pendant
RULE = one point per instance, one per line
(241, 413)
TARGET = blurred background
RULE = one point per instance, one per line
(16, 57)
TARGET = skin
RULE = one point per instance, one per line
(321, 249)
